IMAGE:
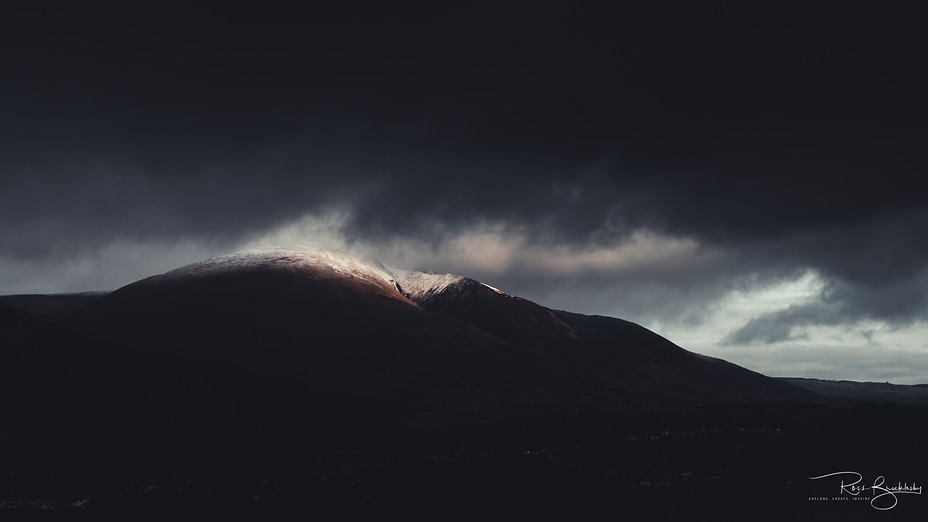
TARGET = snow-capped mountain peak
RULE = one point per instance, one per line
(299, 258)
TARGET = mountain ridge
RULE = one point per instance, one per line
(302, 373)
(324, 347)
(264, 297)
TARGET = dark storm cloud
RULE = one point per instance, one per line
(67, 206)
(873, 268)
(787, 138)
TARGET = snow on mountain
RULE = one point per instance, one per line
(479, 304)
(421, 288)
(299, 259)
(418, 287)
(497, 290)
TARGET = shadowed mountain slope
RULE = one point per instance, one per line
(302, 312)
(319, 370)
(50, 306)
(597, 350)
(310, 345)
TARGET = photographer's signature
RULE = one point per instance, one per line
(884, 496)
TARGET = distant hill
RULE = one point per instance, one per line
(851, 391)
(50, 306)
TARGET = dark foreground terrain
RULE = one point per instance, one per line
(297, 383)
(722, 462)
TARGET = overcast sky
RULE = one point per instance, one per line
(744, 181)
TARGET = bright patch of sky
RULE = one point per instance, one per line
(868, 350)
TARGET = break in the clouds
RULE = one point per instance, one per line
(839, 303)
(743, 180)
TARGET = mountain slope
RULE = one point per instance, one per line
(315, 369)
(503, 315)
(321, 347)
(602, 350)
(300, 312)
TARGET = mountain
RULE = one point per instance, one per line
(317, 370)
(318, 346)
(313, 312)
